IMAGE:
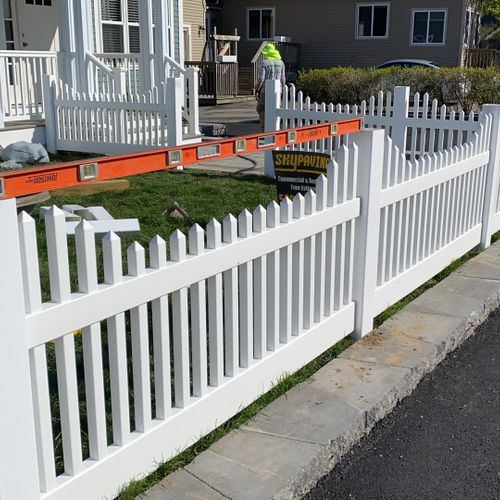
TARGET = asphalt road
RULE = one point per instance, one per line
(442, 442)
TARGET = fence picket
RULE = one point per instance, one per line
(260, 289)
(231, 320)
(140, 345)
(309, 271)
(180, 323)
(161, 336)
(117, 345)
(298, 271)
(246, 333)
(215, 328)
(92, 344)
(273, 268)
(320, 245)
(57, 250)
(285, 278)
(330, 236)
(198, 318)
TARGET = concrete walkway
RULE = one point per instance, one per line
(300, 437)
(237, 119)
(442, 442)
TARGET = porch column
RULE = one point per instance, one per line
(146, 64)
(3, 71)
(3, 40)
(83, 43)
(182, 56)
(162, 17)
(65, 59)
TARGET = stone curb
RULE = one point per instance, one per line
(284, 450)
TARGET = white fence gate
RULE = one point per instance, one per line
(233, 308)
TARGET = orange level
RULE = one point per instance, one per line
(38, 179)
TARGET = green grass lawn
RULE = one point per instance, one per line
(202, 195)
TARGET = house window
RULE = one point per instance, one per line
(9, 25)
(39, 2)
(120, 26)
(8, 16)
(372, 21)
(260, 23)
(429, 27)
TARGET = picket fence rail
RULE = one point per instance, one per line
(218, 316)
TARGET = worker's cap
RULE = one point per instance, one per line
(270, 52)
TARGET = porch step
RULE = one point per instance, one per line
(23, 130)
(245, 81)
(210, 101)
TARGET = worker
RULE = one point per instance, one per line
(272, 68)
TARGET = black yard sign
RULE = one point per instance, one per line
(297, 171)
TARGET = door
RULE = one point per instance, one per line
(37, 25)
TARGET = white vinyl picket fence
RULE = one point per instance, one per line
(417, 126)
(113, 123)
(231, 309)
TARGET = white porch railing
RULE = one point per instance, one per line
(104, 80)
(129, 63)
(243, 302)
(21, 93)
(190, 77)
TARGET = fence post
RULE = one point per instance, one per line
(271, 119)
(370, 145)
(400, 117)
(49, 105)
(174, 101)
(492, 176)
(18, 458)
(193, 108)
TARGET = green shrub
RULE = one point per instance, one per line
(466, 88)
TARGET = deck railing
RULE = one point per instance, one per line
(482, 58)
(21, 95)
(217, 79)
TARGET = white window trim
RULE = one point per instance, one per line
(445, 26)
(125, 23)
(189, 55)
(273, 9)
(372, 4)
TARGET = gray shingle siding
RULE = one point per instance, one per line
(326, 29)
